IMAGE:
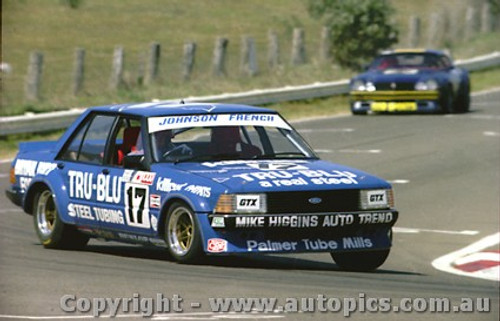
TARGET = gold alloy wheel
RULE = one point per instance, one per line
(180, 231)
(46, 213)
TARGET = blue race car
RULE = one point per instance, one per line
(200, 179)
(411, 81)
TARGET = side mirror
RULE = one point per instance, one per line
(134, 161)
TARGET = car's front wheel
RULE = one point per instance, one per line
(52, 232)
(447, 103)
(182, 234)
(360, 261)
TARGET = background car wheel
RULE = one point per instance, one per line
(356, 112)
(182, 234)
(463, 101)
(447, 105)
(360, 261)
(52, 232)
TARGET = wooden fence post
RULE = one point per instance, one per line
(471, 23)
(78, 70)
(414, 31)
(34, 76)
(248, 62)
(434, 30)
(486, 18)
(188, 60)
(153, 63)
(219, 58)
(116, 79)
(298, 47)
(326, 44)
(273, 50)
(141, 68)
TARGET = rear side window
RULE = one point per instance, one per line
(89, 143)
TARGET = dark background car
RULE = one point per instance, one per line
(411, 81)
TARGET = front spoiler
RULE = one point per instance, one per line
(222, 241)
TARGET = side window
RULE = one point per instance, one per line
(127, 140)
(91, 147)
(73, 149)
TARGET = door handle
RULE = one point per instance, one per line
(60, 165)
(105, 171)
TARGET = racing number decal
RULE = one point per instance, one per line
(137, 205)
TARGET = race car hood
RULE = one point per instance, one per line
(398, 75)
(283, 175)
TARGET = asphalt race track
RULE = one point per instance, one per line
(446, 175)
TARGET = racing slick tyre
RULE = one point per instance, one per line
(360, 261)
(182, 234)
(52, 232)
(447, 104)
(463, 101)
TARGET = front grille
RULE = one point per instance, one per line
(300, 202)
(395, 86)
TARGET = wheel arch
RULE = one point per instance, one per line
(164, 211)
(29, 198)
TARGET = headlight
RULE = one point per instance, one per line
(358, 85)
(370, 86)
(430, 84)
(241, 203)
(376, 199)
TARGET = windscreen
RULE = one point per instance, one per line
(195, 138)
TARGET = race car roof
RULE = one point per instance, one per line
(414, 50)
(166, 108)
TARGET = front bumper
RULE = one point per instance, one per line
(424, 101)
(419, 106)
(295, 233)
(14, 196)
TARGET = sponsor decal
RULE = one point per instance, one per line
(166, 185)
(218, 221)
(201, 191)
(310, 221)
(155, 201)
(316, 244)
(146, 178)
(141, 239)
(104, 188)
(97, 214)
(259, 164)
(216, 245)
(25, 167)
(357, 242)
(24, 182)
(299, 177)
(248, 202)
(44, 168)
(137, 205)
(154, 222)
(173, 122)
(30, 168)
(377, 197)
(276, 165)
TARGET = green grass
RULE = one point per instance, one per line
(98, 26)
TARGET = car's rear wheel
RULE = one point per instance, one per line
(52, 232)
(182, 234)
(360, 261)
